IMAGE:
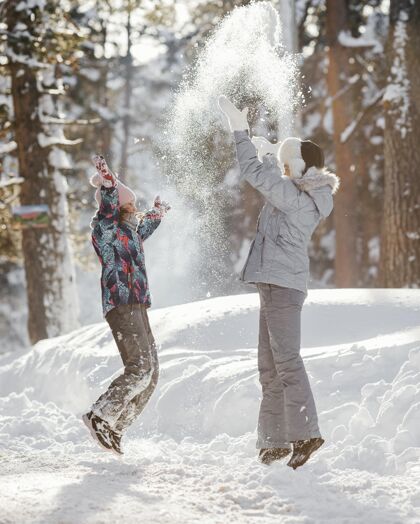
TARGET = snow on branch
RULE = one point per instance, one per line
(25, 60)
(413, 235)
(59, 159)
(59, 139)
(30, 4)
(7, 148)
(91, 74)
(57, 90)
(104, 112)
(347, 40)
(10, 188)
(64, 122)
(17, 34)
(11, 181)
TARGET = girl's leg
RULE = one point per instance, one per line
(130, 334)
(271, 420)
(283, 314)
(138, 403)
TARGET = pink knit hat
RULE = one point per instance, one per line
(125, 194)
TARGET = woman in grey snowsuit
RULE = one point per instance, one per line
(117, 237)
(278, 264)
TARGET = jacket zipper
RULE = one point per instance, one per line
(263, 239)
(261, 256)
(251, 247)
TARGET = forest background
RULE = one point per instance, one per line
(78, 78)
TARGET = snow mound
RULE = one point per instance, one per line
(367, 386)
(361, 350)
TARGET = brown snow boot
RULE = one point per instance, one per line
(99, 429)
(267, 456)
(302, 450)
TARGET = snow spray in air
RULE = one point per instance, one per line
(245, 60)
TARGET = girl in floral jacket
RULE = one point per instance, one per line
(118, 233)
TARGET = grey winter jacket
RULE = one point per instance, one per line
(293, 209)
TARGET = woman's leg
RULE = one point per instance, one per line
(283, 312)
(130, 334)
(271, 421)
(138, 403)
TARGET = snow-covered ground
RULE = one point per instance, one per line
(191, 457)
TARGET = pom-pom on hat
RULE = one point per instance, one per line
(125, 194)
(300, 155)
(96, 180)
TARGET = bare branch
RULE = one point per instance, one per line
(351, 128)
(352, 82)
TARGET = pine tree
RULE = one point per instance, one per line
(346, 264)
(400, 248)
(39, 39)
(353, 84)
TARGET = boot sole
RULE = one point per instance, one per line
(261, 458)
(118, 453)
(94, 435)
(316, 445)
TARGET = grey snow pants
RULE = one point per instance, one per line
(128, 394)
(287, 411)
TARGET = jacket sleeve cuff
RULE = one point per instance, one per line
(270, 161)
(240, 136)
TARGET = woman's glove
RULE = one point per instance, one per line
(161, 206)
(104, 176)
(237, 119)
(264, 147)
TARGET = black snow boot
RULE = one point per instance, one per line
(116, 442)
(267, 456)
(99, 429)
(302, 450)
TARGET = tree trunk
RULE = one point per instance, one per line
(105, 128)
(289, 36)
(52, 304)
(400, 246)
(287, 12)
(346, 263)
(126, 121)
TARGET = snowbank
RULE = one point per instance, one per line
(361, 349)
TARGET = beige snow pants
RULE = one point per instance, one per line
(129, 393)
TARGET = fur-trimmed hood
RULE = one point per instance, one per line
(320, 185)
(315, 178)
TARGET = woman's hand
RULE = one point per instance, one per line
(238, 120)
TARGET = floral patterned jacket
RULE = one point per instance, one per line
(119, 246)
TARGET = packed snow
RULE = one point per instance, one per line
(191, 457)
